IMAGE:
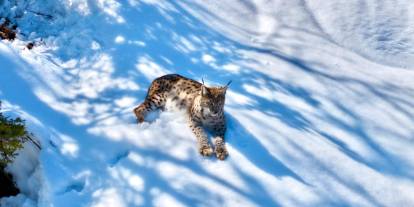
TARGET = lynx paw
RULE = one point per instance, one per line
(221, 152)
(140, 120)
(206, 150)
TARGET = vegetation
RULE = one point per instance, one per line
(13, 134)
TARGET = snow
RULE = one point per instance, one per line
(26, 169)
(319, 111)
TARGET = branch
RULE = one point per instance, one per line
(34, 142)
(41, 14)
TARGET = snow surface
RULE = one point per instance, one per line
(320, 111)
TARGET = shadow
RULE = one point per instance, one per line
(162, 38)
(248, 145)
(388, 165)
(256, 193)
(361, 190)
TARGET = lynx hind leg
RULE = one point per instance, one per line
(156, 98)
(142, 110)
(150, 104)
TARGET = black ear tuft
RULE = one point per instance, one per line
(227, 85)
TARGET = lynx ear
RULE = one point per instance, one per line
(204, 90)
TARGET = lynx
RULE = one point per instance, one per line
(204, 106)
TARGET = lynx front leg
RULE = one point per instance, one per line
(219, 144)
(220, 148)
(204, 147)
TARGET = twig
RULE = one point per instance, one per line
(41, 14)
(34, 142)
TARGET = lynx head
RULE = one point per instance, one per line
(212, 98)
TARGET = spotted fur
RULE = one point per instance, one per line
(204, 107)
